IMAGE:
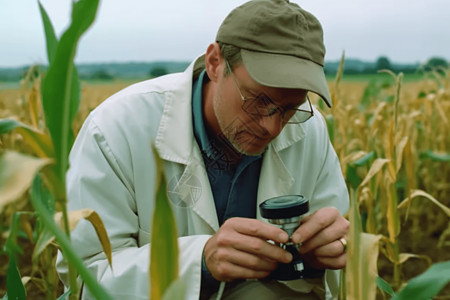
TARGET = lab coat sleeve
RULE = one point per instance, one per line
(99, 180)
(330, 188)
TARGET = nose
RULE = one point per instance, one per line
(272, 124)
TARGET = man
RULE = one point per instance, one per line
(233, 130)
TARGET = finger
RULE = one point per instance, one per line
(258, 229)
(229, 237)
(226, 271)
(333, 263)
(250, 261)
(263, 249)
(315, 223)
(329, 235)
(333, 249)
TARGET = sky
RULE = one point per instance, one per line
(406, 31)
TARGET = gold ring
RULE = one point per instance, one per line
(344, 243)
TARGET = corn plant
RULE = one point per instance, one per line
(378, 159)
(60, 98)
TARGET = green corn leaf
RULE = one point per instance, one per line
(352, 175)
(45, 238)
(364, 160)
(164, 243)
(11, 245)
(69, 253)
(435, 156)
(330, 126)
(41, 194)
(14, 286)
(6, 125)
(427, 284)
(52, 43)
(64, 296)
(385, 286)
(50, 36)
(60, 87)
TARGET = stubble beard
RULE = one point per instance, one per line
(231, 130)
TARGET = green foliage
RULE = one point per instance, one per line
(14, 286)
(353, 178)
(427, 284)
(383, 63)
(385, 286)
(60, 99)
(376, 91)
(6, 125)
(158, 71)
(164, 243)
(424, 286)
(434, 156)
(101, 75)
(61, 87)
(330, 125)
(436, 62)
(39, 204)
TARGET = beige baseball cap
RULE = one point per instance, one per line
(281, 44)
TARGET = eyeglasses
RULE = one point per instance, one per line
(263, 106)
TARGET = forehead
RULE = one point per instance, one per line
(280, 96)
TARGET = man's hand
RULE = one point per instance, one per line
(239, 249)
(319, 234)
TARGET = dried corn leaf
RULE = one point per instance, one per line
(44, 240)
(38, 141)
(361, 270)
(400, 148)
(403, 257)
(91, 216)
(390, 152)
(420, 193)
(34, 105)
(374, 169)
(16, 175)
(393, 219)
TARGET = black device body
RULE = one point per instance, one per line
(286, 212)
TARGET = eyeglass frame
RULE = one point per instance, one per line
(276, 108)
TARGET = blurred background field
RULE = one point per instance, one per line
(373, 117)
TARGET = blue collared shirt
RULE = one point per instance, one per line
(234, 187)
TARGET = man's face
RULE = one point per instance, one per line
(251, 133)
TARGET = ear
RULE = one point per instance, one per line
(213, 61)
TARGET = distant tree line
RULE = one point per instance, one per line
(352, 66)
(155, 69)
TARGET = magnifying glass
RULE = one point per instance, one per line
(286, 212)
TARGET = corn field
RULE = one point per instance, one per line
(391, 135)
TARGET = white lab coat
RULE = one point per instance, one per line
(112, 171)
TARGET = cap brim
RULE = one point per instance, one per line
(286, 71)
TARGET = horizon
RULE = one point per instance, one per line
(368, 61)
